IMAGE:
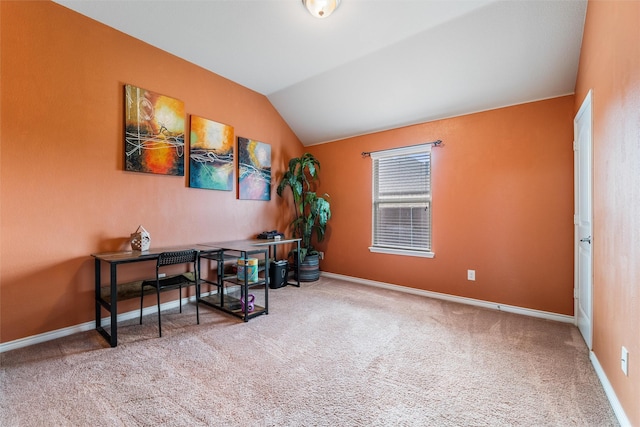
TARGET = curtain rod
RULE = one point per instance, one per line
(434, 143)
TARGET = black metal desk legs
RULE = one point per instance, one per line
(111, 306)
(96, 272)
(297, 266)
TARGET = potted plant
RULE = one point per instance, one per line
(312, 212)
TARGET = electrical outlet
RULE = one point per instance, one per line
(471, 275)
(321, 255)
(624, 361)
(161, 275)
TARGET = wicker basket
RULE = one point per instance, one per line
(140, 240)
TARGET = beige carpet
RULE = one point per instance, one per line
(331, 353)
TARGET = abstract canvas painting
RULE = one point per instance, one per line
(254, 170)
(154, 132)
(211, 155)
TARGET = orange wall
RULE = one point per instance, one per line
(610, 66)
(64, 194)
(502, 205)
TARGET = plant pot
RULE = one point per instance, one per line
(309, 268)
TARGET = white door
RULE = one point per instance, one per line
(583, 218)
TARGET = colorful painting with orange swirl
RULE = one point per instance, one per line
(154, 132)
(211, 155)
(254, 170)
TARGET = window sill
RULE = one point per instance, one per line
(404, 252)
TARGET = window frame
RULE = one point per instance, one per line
(400, 152)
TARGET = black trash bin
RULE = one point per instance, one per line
(278, 271)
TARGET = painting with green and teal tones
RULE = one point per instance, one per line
(211, 155)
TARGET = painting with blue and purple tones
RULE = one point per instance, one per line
(254, 170)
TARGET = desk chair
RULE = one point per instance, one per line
(167, 283)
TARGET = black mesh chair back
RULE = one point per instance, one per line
(166, 283)
(176, 257)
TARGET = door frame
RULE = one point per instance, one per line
(586, 106)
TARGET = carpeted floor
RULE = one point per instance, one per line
(330, 353)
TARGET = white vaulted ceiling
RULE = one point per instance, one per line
(373, 64)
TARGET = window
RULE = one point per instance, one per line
(402, 201)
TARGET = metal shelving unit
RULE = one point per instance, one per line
(232, 291)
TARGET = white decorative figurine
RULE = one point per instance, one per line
(140, 240)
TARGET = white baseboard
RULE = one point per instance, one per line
(608, 389)
(87, 326)
(59, 333)
(47, 336)
(453, 298)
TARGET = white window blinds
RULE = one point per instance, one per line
(402, 198)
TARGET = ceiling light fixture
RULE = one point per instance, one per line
(321, 8)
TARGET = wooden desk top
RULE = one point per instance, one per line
(246, 243)
(152, 253)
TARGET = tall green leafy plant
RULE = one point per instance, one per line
(312, 211)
